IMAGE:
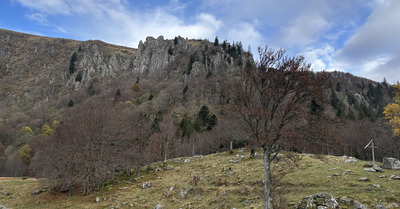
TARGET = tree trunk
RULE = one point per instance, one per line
(70, 190)
(267, 184)
(230, 147)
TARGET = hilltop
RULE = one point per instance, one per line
(220, 180)
(165, 99)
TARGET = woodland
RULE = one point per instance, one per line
(83, 137)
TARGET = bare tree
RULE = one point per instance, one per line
(268, 98)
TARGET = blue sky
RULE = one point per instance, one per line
(358, 36)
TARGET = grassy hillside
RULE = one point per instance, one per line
(218, 181)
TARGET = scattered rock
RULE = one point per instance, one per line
(382, 176)
(391, 163)
(344, 200)
(394, 205)
(36, 192)
(97, 199)
(333, 168)
(177, 168)
(320, 201)
(358, 205)
(186, 161)
(369, 169)
(131, 205)
(233, 161)
(167, 168)
(363, 179)
(198, 156)
(123, 188)
(3, 207)
(377, 185)
(146, 185)
(169, 192)
(232, 173)
(239, 157)
(157, 169)
(394, 177)
(7, 194)
(158, 206)
(350, 160)
(380, 206)
(184, 192)
(368, 165)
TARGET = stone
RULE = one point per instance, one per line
(123, 188)
(3, 207)
(358, 205)
(363, 179)
(394, 177)
(158, 206)
(233, 161)
(369, 169)
(382, 176)
(368, 165)
(157, 169)
(177, 168)
(97, 199)
(394, 205)
(131, 205)
(380, 206)
(186, 161)
(377, 185)
(350, 160)
(146, 185)
(320, 200)
(167, 168)
(184, 192)
(390, 163)
(36, 192)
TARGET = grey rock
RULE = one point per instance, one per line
(320, 200)
(380, 206)
(350, 160)
(363, 179)
(167, 168)
(97, 200)
(157, 169)
(369, 169)
(186, 161)
(358, 205)
(377, 185)
(3, 207)
(146, 185)
(184, 192)
(394, 205)
(158, 206)
(394, 177)
(391, 163)
(382, 176)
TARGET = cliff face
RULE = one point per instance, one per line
(34, 68)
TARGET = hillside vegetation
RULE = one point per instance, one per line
(219, 180)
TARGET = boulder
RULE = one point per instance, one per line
(320, 200)
(3, 207)
(375, 168)
(394, 177)
(350, 160)
(391, 163)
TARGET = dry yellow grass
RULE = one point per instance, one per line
(214, 181)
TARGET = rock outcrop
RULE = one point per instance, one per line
(391, 163)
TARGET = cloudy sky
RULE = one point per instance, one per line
(357, 36)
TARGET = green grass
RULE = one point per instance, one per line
(215, 182)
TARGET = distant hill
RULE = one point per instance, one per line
(42, 78)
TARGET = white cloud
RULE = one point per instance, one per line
(39, 18)
(375, 44)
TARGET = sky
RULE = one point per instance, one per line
(361, 37)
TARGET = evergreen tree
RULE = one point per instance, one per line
(216, 42)
(315, 108)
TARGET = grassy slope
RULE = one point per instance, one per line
(306, 174)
